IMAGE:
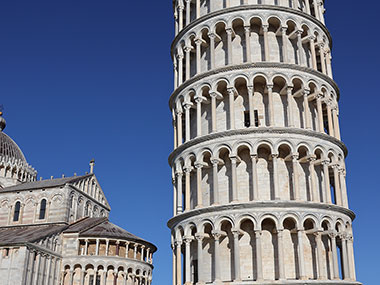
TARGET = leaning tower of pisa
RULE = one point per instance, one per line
(258, 164)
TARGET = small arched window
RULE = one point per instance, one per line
(86, 210)
(43, 209)
(16, 215)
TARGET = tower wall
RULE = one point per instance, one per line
(259, 166)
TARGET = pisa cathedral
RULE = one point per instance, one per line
(258, 166)
(57, 232)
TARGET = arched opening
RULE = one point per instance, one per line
(248, 249)
(310, 249)
(285, 171)
(242, 117)
(290, 241)
(257, 40)
(17, 210)
(42, 215)
(269, 243)
(265, 173)
(227, 252)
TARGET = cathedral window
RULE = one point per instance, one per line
(16, 214)
(43, 210)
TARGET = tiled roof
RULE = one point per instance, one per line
(23, 234)
(49, 183)
(103, 228)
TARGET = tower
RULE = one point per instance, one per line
(259, 166)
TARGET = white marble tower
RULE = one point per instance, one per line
(258, 167)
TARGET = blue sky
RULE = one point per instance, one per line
(91, 79)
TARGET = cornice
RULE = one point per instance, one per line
(245, 66)
(283, 205)
(245, 8)
(261, 130)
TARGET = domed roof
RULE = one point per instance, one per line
(9, 148)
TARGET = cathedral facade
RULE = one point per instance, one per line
(57, 232)
(258, 165)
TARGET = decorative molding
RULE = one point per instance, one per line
(261, 130)
(282, 205)
(245, 8)
(245, 66)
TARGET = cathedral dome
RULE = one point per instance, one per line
(8, 148)
(14, 168)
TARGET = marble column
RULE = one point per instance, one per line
(187, 107)
(300, 48)
(266, 43)
(217, 237)
(338, 193)
(213, 96)
(259, 260)
(321, 262)
(336, 123)
(198, 43)
(350, 249)
(215, 163)
(231, 96)
(180, 68)
(247, 31)
(301, 258)
(281, 259)
(236, 234)
(187, 170)
(234, 179)
(198, 8)
(199, 238)
(333, 237)
(179, 176)
(329, 119)
(187, 261)
(275, 177)
(313, 53)
(289, 91)
(199, 100)
(188, 10)
(179, 127)
(180, 16)
(199, 167)
(255, 178)
(307, 109)
(296, 188)
(271, 107)
(346, 270)
(326, 179)
(321, 125)
(285, 58)
(343, 187)
(178, 245)
(229, 32)
(323, 60)
(251, 106)
(188, 50)
(313, 184)
(212, 49)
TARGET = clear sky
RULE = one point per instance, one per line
(91, 79)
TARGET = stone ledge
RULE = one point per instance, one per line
(250, 7)
(262, 205)
(260, 130)
(244, 66)
(295, 282)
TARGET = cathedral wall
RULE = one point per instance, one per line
(63, 204)
(12, 264)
